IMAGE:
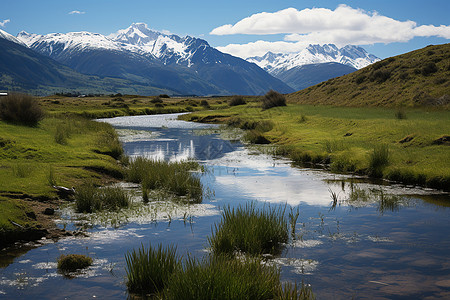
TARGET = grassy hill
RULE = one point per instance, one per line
(415, 79)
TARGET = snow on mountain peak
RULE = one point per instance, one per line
(136, 34)
(10, 37)
(350, 55)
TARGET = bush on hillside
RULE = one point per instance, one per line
(236, 100)
(273, 99)
(21, 109)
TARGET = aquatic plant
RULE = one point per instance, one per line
(293, 217)
(89, 199)
(174, 177)
(250, 230)
(290, 291)
(149, 269)
(73, 262)
(219, 277)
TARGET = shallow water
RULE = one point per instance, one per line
(377, 241)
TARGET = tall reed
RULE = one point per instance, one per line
(89, 199)
(174, 177)
(149, 269)
(219, 277)
(250, 230)
(378, 160)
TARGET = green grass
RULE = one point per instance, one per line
(344, 138)
(73, 262)
(32, 160)
(250, 230)
(161, 273)
(149, 269)
(174, 177)
(416, 79)
(218, 277)
(89, 198)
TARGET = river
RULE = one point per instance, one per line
(375, 241)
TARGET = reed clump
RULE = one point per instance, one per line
(89, 198)
(219, 277)
(149, 269)
(250, 230)
(160, 273)
(174, 177)
(378, 160)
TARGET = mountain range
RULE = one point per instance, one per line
(184, 65)
(147, 61)
(314, 64)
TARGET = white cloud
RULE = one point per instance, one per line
(4, 22)
(342, 26)
(77, 12)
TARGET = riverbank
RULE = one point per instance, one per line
(410, 146)
(66, 149)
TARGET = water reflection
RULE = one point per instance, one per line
(374, 242)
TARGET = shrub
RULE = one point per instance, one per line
(21, 109)
(400, 114)
(157, 99)
(73, 262)
(380, 76)
(250, 230)
(164, 96)
(204, 103)
(360, 79)
(236, 100)
(273, 99)
(429, 68)
(148, 270)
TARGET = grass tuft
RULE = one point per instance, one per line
(378, 160)
(174, 177)
(218, 277)
(149, 269)
(90, 199)
(250, 230)
(73, 262)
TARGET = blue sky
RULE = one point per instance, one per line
(242, 27)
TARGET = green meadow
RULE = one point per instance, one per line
(348, 139)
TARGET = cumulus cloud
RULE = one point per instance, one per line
(4, 22)
(77, 12)
(342, 26)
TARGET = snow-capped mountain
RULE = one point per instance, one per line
(349, 55)
(184, 64)
(10, 37)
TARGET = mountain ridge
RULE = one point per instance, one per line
(186, 64)
(276, 63)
